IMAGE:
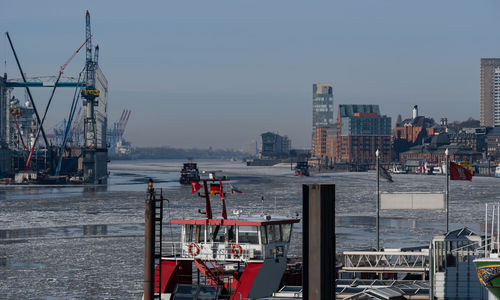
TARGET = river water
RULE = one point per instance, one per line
(76, 242)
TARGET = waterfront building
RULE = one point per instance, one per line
(490, 92)
(361, 130)
(413, 131)
(322, 117)
(474, 138)
(493, 143)
(275, 145)
(434, 152)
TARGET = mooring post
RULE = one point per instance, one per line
(149, 240)
(318, 241)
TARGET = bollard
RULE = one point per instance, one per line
(318, 241)
(149, 240)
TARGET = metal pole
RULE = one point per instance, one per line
(149, 244)
(492, 243)
(447, 189)
(377, 221)
(28, 90)
(486, 230)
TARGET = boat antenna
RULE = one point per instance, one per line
(262, 201)
(274, 205)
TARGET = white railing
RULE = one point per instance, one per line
(391, 261)
(217, 251)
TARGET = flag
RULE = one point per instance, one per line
(195, 186)
(457, 172)
(214, 189)
(382, 172)
(235, 190)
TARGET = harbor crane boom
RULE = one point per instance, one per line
(61, 71)
(27, 90)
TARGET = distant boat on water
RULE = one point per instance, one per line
(189, 173)
(397, 169)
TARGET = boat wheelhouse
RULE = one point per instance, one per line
(189, 173)
(302, 168)
(239, 258)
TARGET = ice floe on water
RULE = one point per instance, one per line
(91, 238)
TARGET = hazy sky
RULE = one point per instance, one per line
(219, 73)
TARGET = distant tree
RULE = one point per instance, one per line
(469, 123)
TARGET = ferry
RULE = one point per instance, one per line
(302, 168)
(230, 257)
(189, 173)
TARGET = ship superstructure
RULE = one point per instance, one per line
(237, 258)
(189, 173)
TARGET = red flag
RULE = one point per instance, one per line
(457, 172)
(195, 186)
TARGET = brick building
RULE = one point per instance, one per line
(474, 138)
(435, 154)
(361, 130)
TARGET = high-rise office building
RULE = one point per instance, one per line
(322, 105)
(322, 116)
(490, 92)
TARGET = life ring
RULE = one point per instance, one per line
(196, 250)
(237, 252)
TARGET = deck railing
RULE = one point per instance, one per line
(218, 251)
(396, 261)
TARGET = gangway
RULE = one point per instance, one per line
(386, 261)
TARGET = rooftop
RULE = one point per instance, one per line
(349, 110)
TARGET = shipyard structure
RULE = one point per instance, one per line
(29, 154)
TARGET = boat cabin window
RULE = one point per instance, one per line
(231, 234)
(195, 233)
(248, 235)
(286, 232)
(263, 234)
(274, 233)
(217, 234)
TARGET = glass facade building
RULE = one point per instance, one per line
(322, 105)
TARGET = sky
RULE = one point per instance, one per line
(220, 73)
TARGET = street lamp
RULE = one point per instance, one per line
(377, 221)
(446, 152)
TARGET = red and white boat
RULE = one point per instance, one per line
(221, 257)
